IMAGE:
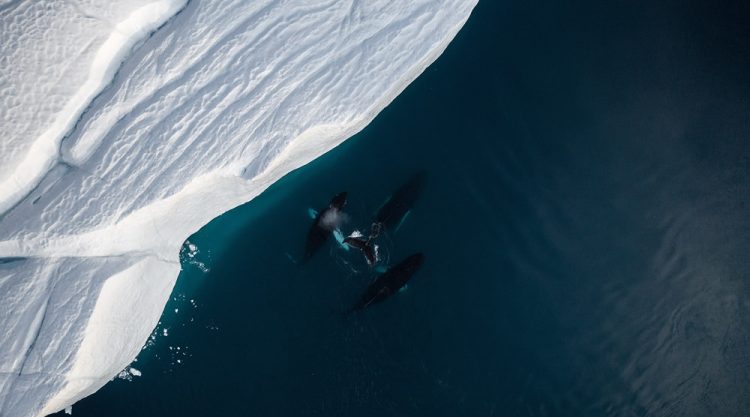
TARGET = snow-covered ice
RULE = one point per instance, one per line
(128, 125)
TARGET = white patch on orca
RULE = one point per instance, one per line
(312, 213)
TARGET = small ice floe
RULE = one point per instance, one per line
(165, 332)
(201, 265)
(189, 254)
(189, 249)
(312, 213)
(69, 410)
(128, 373)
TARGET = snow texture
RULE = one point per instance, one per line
(129, 125)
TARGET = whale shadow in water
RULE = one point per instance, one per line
(393, 212)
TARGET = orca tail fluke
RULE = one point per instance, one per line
(355, 242)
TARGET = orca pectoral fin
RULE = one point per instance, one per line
(403, 219)
(384, 202)
(312, 213)
(340, 239)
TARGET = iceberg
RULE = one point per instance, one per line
(129, 125)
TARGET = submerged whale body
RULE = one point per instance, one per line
(398, 205)
(325, 222)
(390, 282)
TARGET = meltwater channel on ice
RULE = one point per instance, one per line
(128, 125)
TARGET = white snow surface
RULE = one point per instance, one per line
(128, 125)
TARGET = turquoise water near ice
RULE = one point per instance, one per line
(585, 223)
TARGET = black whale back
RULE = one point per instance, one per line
(318, 234)
(393, 211)
(390, 282)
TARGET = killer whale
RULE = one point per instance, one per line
(398, 205)
(324, 223)
(390, 282)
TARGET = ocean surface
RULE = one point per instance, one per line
(585, 222)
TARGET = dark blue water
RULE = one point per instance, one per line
(586, 226)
